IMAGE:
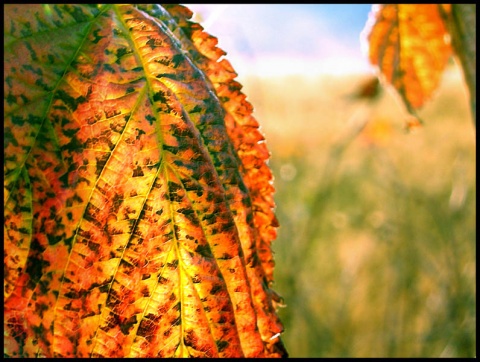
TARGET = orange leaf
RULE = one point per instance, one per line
(247, 140)
(138, 226)
(410, 45)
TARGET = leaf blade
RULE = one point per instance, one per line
(135, 248)
(409, 45)
(257, 223)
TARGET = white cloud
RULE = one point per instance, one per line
(285, 38)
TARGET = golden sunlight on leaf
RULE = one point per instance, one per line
(138, 203)
(410, 45)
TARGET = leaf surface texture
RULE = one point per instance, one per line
(138, 202)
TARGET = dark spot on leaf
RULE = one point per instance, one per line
(53, 239)
(68, 242)
(97, 37)
(169, 76)
(37, 71)
(86, 315)
(140, 132)
(109, 113)
(126, 267)
(50, 58)
(33, 54)
(153, 43)
(8, 138)
(209, 218)
(225, 256)
(101, 161)
(177, 59)
(76, 12)
(150, 118)
(69, 132)
(204, 250)
(146, 328)
(176, 321)
(189, 214)
(35, 267)
(174, 187)
(113, 299)
(41, 84)
(69, 307)
(145, 291)
(69, 101)
(128, 324)
(24, 98)
(9, 80)
(112, 320)
(138, 172)
(221, 345)
(145, 276)
(18, 121)
(24, 231)
(75, 145)
(91, 213)
(11, 99)
(171, 149)
(109, 68)
(159, 97)
(190, 339)
(121, 52)
(173, 265)
(215, 289)
(74, 294)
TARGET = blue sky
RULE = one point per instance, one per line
(270, 39)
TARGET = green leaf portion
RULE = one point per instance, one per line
(37, 55)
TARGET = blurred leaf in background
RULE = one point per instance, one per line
(395, 269)
(376, 250)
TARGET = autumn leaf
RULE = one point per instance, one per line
(138, 203)
(409, 43)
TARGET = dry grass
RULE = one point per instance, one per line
(376, 249)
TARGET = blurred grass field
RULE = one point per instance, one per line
(376, 254)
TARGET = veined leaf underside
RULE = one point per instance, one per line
(137, 194)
